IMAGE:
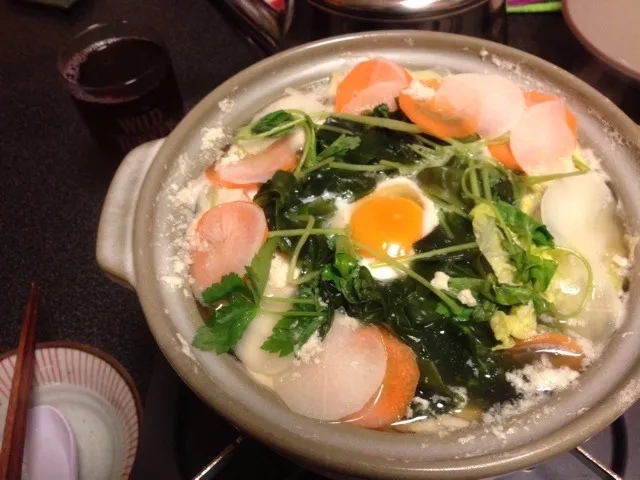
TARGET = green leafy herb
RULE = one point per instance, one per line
(339, 147)
(484, 311)
(231, 283)
(498, 293)
(530, 268)
(292, 331)
(258, 271)
(541, 304)
(273, 120)
(225, 326)
(529, 229)
(240, 303)
(381, 111)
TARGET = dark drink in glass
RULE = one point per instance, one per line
(122, 82)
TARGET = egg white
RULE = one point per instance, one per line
(401, 186)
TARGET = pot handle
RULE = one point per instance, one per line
(114, 248)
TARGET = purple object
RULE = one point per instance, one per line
(50, 448)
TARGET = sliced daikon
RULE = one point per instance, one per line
(341, 378)
(542, 142)
(493, 103)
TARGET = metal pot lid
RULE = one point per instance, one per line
(394, 10)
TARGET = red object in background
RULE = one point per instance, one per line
(276, 4)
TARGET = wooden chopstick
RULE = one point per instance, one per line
(15, 427)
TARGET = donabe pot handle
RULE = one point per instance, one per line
(114, 249)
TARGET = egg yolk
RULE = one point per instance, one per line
(391, 224)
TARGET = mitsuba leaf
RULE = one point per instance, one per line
(225, 326)
(540, 271)
(381, 111)
(271, 121)
(258, 271)
(445, 311)
(227, 285)
(228, 321)
(338, 148)
(354, 282)
(292, 332)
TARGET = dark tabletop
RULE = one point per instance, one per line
(52, 183)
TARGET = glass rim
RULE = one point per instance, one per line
(65, 53)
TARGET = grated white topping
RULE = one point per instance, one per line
(541, 376)
(419, 91)
(466, 298)
(440, 281)
(310, 350)
(211, 138)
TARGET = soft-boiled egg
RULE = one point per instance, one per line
(390, 219)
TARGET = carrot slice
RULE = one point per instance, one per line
(370, 97)
(502, 152)
(561, 349)
(434, 120)
(534, 97)
(398, 387)
(365, 75)
(226, 239)
(255, 169)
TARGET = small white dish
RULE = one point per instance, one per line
(97, 398)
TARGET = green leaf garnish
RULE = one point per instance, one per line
(339, 147)
(271, 121)
(381, 111)
(225, 326)
(524, 225)
(258, 271)
(294, 329)
(228, 284)
(227, 323)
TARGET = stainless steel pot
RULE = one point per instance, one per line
(136, 243)
(302, 21)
